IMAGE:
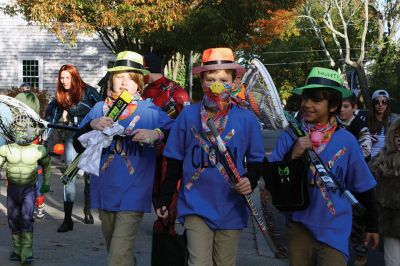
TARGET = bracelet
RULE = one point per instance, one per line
(160, 135)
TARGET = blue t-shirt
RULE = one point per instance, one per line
(208, 194)
(115, 189)
(343, 154)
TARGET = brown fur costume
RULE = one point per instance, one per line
(386, 168)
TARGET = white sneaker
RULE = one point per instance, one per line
(40, 211)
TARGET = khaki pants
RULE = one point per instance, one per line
(120, 230)
(208, 247)
(304, 250)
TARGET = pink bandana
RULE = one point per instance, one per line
(320, 134)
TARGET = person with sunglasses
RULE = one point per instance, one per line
(378, 119)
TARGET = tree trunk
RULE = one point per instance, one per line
(363, 82)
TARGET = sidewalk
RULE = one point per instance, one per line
(85, 245)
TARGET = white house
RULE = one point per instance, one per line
(34, 55)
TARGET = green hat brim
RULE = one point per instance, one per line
(345, 92)
(126, 68)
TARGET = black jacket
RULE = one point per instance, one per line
(77, 111)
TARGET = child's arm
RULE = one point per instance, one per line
(249, 180)
(45, 162)
(368, 200)
(3, 157)
(173, 175)
(365, 141)
(160, 133)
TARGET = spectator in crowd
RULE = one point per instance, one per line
(386, 168)
(171, 98)
(355, 125)
(74, 99)
(378, 119)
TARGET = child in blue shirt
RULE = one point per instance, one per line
(319, 234)
(210, 207)
(122, 190)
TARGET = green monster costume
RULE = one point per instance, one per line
(22, 159)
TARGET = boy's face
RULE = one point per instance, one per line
(315, 110)
(219, 76)
(123, 81)
(346, 113)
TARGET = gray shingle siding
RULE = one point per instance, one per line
(18, 40)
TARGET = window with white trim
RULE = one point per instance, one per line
(31, 72)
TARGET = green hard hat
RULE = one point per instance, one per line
(320, 77)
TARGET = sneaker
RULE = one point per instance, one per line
(28, 260)
(360, 260)
(15, 257)
(40, 212)
(360, 255)
(88, 219)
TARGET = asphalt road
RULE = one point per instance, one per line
(85, 245)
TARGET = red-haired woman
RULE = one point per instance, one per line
(74, 99)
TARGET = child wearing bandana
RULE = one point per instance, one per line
(319, 234)
(209, 206)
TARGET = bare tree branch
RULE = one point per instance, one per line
(335, 38)
(364, 34)
(318, 34)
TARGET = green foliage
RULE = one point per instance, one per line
(181, 76)
(166, 27)
(385, 73)
(289, 69)
(285, 90)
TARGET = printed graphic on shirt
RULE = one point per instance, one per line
(124, 147)
(205, 156)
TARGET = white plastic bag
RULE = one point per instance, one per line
(94, 142)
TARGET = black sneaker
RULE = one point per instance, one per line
(28, 260)
(88, 219)
(15, 257)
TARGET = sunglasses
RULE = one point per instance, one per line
(380, 102)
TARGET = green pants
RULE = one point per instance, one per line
(208, 247)
(119, 231)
